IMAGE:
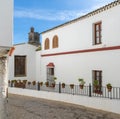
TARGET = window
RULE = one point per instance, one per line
(55, 41)
(97, 33)
(50, 73)
(20, 66)
(97, 75)
(46, 44)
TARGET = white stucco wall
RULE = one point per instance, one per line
(38, 66)
(28, 51)
(79, 36)
(68, 68)
(6, 22)
(6, 37)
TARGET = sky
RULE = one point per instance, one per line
(46, 14)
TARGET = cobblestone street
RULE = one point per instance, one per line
(22, 107)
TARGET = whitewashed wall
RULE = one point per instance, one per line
(6, 37)
(79, 36)
(6, 22)
(29, 51)
(38, 66)
(68, 68)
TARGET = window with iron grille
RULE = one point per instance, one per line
(20, 66)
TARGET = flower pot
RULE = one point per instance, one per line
(53, 85)
(47, 84)
(96, 87)
(29, 82)
(109, 88)
(34, 83)
(41, 83)
(71, 86)
(81, 86)
(63, 85)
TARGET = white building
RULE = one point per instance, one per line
(6, 35)
(87, 47)
(24, 55)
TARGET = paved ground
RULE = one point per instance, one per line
(22, 107)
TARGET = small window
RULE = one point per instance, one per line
(20, 66)
(55, 41)
(97, 33)
(46, 44)
(50, 75)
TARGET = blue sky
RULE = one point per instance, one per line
(46, 14)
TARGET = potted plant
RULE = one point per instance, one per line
(47, 83)
(14, 81)
(53, 84)
(34, 82)
(29, 82)
(24, 81)
(55, 78)
(97, 88)
(41, 83)
(109, 87)
(63, 85)
(82, 82)
(71, 86)
(96, 84)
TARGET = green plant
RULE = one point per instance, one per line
(24, 81)
(39, 48)
(109, 87)
(53, 84)
(14, 81)
(47, 83)
(82, 82)
(34, 82)
(96, 83)
(41, 83)
(55, 78)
